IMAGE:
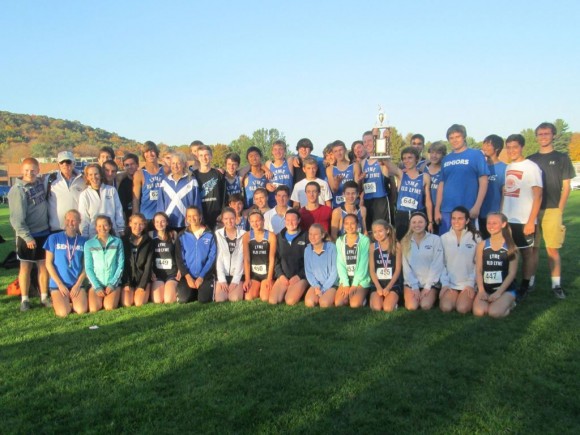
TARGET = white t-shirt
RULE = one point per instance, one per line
(520, 178)
(299, 192)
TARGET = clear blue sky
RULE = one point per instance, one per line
(175, 71)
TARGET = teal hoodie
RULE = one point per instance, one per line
(361, 273)
(104, 266)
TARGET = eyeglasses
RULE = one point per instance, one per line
(66, 162)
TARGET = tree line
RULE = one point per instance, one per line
(41, 136)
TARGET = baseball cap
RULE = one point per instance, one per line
(65, 155)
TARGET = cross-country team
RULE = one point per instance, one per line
(345, 229)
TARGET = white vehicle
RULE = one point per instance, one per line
(575, 183)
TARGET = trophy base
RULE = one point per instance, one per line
(384, 157)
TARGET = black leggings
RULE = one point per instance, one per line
(203, 295)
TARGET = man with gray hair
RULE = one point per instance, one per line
(63, 188)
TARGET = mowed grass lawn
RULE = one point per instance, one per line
(254, 368)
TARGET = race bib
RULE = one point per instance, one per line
(492, 277)
(339, 199)
(259, 269)
(409, 202)
(153, 195)
(370, 187)
(163, 263)
(350, 269)
(385, 273)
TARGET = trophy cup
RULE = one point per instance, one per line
(381, 138)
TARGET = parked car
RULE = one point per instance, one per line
(575, 183)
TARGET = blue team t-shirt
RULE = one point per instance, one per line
(460, 174)
(68, 257)
(496, 181)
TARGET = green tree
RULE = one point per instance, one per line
(563, 136)
(262, 138)
(397, 144)
(240, 145)
(219, 152)
(472, 143)
(532, 145)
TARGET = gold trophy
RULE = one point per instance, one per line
(381, 137)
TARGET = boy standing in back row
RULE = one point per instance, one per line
(557, 171)
(464, 179)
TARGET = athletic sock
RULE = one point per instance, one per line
(555, 281)
(43, 297)
(24, 298)
(532, 280)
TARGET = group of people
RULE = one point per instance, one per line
(346, 229)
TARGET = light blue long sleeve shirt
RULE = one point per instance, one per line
(321, 270)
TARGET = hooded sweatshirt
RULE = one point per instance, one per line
(28, 209)
(138, 261)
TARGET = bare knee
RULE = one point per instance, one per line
(426, 305)
(61, 312)
(479, 312)
(497, 313)
(291, 300)
(411, 306)
(326, 303)
(356, 303)
(446, 306)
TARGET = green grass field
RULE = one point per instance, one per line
(254, 368)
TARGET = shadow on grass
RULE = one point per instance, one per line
(251, 367)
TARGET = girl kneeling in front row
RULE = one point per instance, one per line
(259, 259)
(291, 281)
(104, 260)
(497, 265)
(165, 274)
(195, 252)
(422, 264)
(385, 267)
(65, 264)
(230, 259)
(138, 262)
(458, 279)
(353, 265)
(320, 266)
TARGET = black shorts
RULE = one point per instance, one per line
(397, 287)
(520, 239)
(256, 277)
(377, 208)
(483, 228)
(25, 254)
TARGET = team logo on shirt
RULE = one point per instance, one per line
(513, 179)
(208, 186)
